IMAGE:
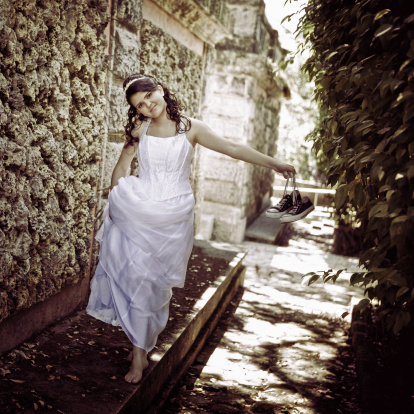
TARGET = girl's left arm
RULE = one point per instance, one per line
(202, 134)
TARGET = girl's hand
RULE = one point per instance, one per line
(286, 169)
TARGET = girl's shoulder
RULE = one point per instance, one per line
(138, 129)
(197, 128)
(196, 124)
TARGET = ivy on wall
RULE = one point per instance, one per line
(362, 63)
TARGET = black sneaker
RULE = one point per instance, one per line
(283, 206)
(299, 211)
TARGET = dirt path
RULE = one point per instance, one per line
(282, 347)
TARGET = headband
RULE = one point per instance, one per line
(131, 82)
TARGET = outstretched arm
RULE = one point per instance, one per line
(202, 134)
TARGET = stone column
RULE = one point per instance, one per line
(241, 103)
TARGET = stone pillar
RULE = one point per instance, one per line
(241, 103)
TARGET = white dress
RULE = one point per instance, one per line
(146, 244)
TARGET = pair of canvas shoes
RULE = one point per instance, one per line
(291, 207)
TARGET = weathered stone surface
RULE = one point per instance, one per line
(241, 101)
(230, 224)
(231, 128)
(174, 65)
(208, 20)
(52, 122)
(129, 15)
(126, 53)
(224, 169)
(118, 108)
(229, 106)
(113, 151)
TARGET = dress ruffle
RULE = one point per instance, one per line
(144, 249)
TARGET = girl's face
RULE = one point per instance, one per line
(150, 104)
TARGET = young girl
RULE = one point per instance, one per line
(147, 234)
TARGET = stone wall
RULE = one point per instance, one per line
(52, 124)
(242, 103)
(178, 67)
(62, 116)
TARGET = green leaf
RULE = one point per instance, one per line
(384, 188)
(341, 195)
(356, 278)
(366, 124)
(309, 274)
(403, 96)
(410, 172)
(385, 28)
(313, 279)
(377, 173)
(377, 209)
(363, 304)
(359, 195)
(403, 318)
(397, 226)
(401, 291)
(349, 116)
(405, 64)
(399, 131)
(337, 274)
(288, 18)
(396, 279)
(331, 55)
(381, 14)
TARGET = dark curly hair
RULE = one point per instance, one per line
(148, 83)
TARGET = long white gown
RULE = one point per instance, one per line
(146, 244)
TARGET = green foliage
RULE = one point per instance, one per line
(362, 63)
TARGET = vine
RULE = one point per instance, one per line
(362, 63)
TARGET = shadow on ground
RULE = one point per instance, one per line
(282, 346)
(268, 357)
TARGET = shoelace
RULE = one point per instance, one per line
(281, 203)
(284, 199)
(295, 208)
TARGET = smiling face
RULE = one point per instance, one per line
(150, 104)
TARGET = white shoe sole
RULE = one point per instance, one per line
(287, 218)
(275, 214)
(270, 214)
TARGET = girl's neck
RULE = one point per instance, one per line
(161, 121)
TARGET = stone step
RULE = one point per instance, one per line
(265, 230)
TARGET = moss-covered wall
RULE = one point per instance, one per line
(172, 63)
(52, 124)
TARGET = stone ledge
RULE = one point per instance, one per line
(160, 380)
(266, 230)
(196, 18)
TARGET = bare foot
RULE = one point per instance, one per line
(139, 363)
